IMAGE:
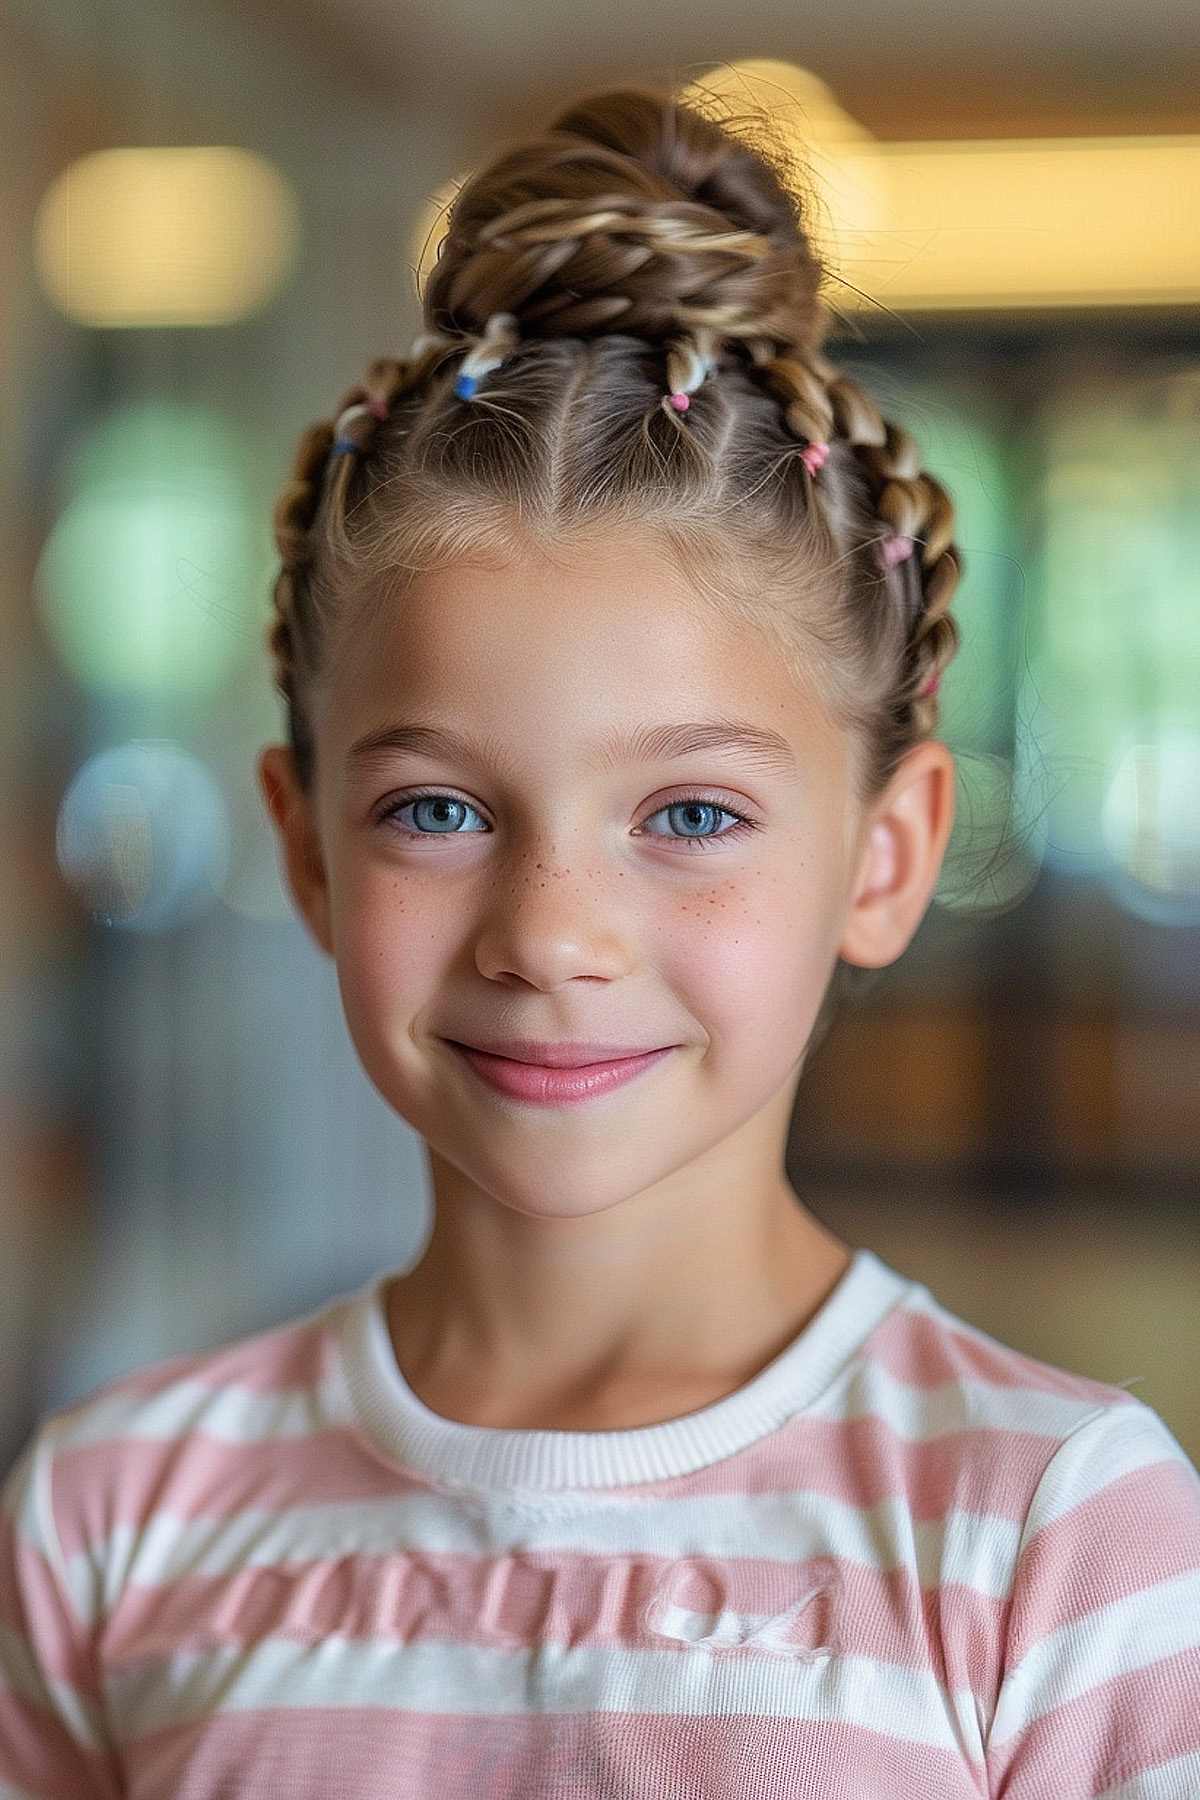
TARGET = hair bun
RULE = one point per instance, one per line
(632, 212)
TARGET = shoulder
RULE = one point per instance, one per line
(154, 1440)
(1006, 1435)
(1101, 1649)
(1069, 1506)
(164, 1400)
(1114, 1520)
(942, 1378)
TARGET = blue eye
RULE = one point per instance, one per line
(688, 803)
(698, 803)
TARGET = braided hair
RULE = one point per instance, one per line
(636, 244)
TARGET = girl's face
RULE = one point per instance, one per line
(559, 882)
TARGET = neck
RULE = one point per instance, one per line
(570, 1324)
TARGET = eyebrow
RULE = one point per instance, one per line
(649, 743)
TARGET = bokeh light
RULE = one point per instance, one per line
(1150, 820)
(1115, 645)
(143, 837)
(148, 581)
(166, 235)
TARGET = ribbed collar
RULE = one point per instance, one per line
(488, 1459)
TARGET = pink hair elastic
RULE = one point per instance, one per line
(895, 548)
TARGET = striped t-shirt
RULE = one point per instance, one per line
(903, 1562)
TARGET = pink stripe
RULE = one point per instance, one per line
(377, 1755)
(1114, 1731)
(564, 1598)
(289, 1356)
(39, 1755)
(924, 1351)
(858, 1462)
(1068, 1568)
(37, 1752)
(120, 1482)
(32, 1605)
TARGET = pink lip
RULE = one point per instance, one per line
(573, 1054)
(556, 1087)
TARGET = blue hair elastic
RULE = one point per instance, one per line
(465, 386)
(341, 443)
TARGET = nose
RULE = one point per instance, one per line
(548, 923)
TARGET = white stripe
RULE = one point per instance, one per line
(918, 1414)
(1120, 1442)
(21, 1674)
(231, 1414)
(239, 1415)
(27, 1503)
(1178, 1779)
(1108, 1642)
(973, 1550)
(473, 1680)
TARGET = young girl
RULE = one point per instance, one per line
(641, 1485)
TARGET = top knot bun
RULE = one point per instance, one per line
(632, 213)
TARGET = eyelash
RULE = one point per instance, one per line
(743, 823)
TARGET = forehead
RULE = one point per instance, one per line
(568, 645)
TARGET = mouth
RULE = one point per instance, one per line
(562, 1055)
(540, 1084)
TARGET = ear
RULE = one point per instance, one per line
(900, 848)
(301, 862)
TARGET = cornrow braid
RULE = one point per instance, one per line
(296, 511)
(822, 404)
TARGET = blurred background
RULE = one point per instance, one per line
(215, 216)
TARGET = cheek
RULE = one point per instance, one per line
(391, 961)
(753, 959)
(392, 939)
